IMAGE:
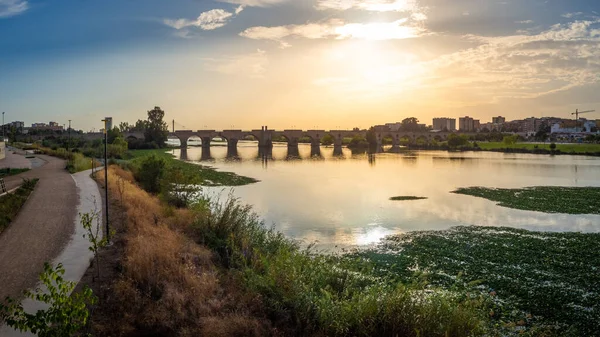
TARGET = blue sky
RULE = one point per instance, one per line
(297, 63)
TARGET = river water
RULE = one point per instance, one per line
(342, 201)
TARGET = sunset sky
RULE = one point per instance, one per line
(297, 63)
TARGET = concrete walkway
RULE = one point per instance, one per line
(75, 256)
(14, 160)
(41, 229)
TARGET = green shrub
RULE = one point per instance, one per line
(11, 203)
(66, 315)
(150, 172)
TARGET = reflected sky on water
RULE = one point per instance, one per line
(333, 199)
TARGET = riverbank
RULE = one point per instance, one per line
(170, 269)
(570, 148)
(215, 269)
(205, 175)
(531, 148)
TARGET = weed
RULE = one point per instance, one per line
(66, 314)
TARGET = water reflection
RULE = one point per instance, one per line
(338, 197)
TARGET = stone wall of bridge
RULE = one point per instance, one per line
(265, 136)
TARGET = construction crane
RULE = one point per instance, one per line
(577, 112)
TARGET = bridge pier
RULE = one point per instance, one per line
(206, 143)
(337, 151)
(232, 143)
(315, 151)
(232, 153)
(183, 155)
(205, 153)
(183, 144)
(293, 152)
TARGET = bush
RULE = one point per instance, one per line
(552, 146)
(150, 173)
(66, 314)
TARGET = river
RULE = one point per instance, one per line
(342, 201)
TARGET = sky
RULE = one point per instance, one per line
(309, 64)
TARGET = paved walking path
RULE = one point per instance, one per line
(41, 229)
(75, 256)
(14, 160)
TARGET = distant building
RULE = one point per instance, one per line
(444, 123)
(572, 126)
(531, 125)
(394, 126)
(52, 126)
(468, 124)
(498, 120)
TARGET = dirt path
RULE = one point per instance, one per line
(42, 228)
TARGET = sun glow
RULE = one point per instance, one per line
(371, 68)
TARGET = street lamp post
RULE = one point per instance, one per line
(106, 176)
(3, 125)
(69, 145)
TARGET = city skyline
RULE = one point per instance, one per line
(297, 64)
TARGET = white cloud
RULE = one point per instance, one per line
(525, 21)
(571, 15)
(336, 29)
(239, 9)
(523, 66)
(369, 5)
(252, 65)
(255, 3)
(10, 8)
(210, 20)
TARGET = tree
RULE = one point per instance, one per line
(157, 130)
(455, 141)
(410, 124)
(553, 146)
(371, 137)
(113, 134)
(125, 127)
(140, 126)
(327, 139)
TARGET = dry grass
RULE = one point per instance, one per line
(169, 285)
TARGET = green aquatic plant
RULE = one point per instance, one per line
(548, 199)
(402, 198)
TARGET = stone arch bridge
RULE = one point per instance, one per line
(265, 136)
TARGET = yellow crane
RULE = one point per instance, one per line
(577, 113)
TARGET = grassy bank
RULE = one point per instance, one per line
(214, 269)
(76, 162)
(207, 176)
(5, 172)
(11, 203)
(544, 282)
(564, 148)
(549, 199)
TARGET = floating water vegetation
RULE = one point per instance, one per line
(548, 199)
(403, 197)
(545, 283)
